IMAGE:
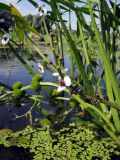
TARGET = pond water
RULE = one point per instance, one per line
(12, 71)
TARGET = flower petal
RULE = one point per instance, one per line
(42, 10)
(40, 68)
(40, 14)
(67, 80)
(45, 11)
(61, 88)
(5, 39)
(39, 65)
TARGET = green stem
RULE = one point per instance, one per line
(111, 134)
(92, 108)
(114, 40)
(63, 98)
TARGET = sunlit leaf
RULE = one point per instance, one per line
(21, 21)
(4, 6)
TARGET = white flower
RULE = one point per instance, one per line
(42, 10)
(5, 39)
(40, 68)
(64, 83)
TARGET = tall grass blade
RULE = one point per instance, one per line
(105, 58)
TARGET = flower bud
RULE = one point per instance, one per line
(49, 62)
(37, 78)
(17, 85)
(35, 86)
(18, 94)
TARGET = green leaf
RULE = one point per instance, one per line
(15, 12)
(4, 6)
(107, 10)
(21, 22)
(84, 24)
(20, 32)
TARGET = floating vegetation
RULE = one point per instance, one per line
(86, 87)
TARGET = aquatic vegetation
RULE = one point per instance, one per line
(35, 83)
(79, 90)
(1, 90)
(79, 140)
(18, 93)
(66, 82)
(17, 85)
(37, 78)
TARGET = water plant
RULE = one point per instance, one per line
(79, 140)
(71, 93)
